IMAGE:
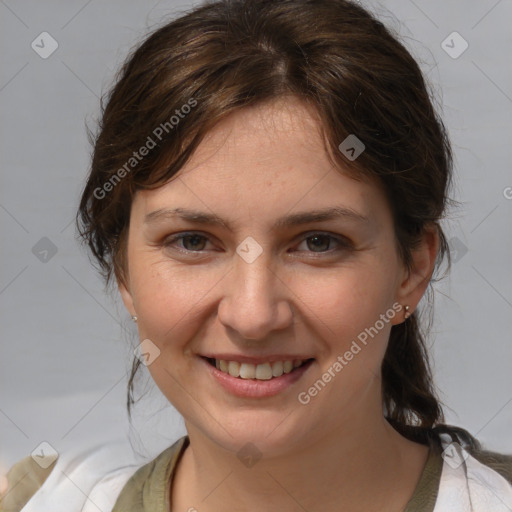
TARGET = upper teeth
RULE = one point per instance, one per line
(264, 371)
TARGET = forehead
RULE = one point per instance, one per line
(262, 160)
(261, 137)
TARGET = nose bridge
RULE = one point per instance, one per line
(253, 303)
(255, 280)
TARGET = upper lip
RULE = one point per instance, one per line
(256, 360)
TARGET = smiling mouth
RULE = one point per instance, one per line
(263, 371)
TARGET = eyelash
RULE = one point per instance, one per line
(342, 242)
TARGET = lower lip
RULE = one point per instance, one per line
(252, 388)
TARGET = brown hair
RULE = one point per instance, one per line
(229, 54)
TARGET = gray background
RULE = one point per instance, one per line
(66, 345)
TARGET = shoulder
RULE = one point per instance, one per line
(499, 462)
(75, 480)
(21, 482)
(473, 477)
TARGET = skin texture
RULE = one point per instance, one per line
(297, 297)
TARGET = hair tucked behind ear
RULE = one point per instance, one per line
(408, 392)
(337, 58)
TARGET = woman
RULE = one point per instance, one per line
(266, 191)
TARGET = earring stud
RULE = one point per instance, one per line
(134, 318)
(407, 314)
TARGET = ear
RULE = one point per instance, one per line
(414, 283)
(127, 297)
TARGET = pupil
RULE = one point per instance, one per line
(319, 237)
(193, 237)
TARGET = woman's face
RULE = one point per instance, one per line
(266, 284)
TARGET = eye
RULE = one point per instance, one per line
(194, 241)
(316, 243)
(320, 241)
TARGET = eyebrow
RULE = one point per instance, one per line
(294, 219)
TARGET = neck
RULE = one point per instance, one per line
(363, 466)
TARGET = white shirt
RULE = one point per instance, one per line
(91, 481)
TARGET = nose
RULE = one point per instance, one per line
(255, 300)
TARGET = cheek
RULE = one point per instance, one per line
(354, 314)
(169, 299)
(345, 309)
(348, 298)
(168, 303)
